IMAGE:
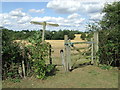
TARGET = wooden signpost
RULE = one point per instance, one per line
(44, 27)
(43, 34)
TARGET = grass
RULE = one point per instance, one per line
(0, 84)
(83, 77)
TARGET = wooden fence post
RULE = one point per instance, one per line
(96, 40)
(22, 47)
(69, 56)
(50, 59)
(23, 68)
(62, 58)
(92, 51)
(66, 52)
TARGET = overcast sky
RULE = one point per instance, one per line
(69, 14)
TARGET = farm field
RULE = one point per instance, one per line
(86, 76)
(57, 45)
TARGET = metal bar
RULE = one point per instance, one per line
(81, 48)
(80, 43)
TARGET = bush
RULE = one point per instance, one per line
(83, 36)
(109, 35)
(39, 53)
(108, 51)
(11, 56)
(89, 36)
(109, 38)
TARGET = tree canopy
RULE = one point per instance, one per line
(109, 38)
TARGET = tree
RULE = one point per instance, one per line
(48, 35)
(83, 36)
(109, 38)
(89, 36)
(111, 18)
(59, 35)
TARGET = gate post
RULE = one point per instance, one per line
(92, 51)
(62, 58)
(96, 47)
(50, 58)
(66, 52)
(69, 56)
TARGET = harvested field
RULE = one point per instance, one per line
(57, 45)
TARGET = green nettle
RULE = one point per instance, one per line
(39, 54)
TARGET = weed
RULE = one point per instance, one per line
(105, 67)
(15, 80)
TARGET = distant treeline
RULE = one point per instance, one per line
(49, 35)
(59, 35)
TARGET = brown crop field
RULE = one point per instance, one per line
(57, 45)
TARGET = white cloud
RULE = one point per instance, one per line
(7, 22)
(74, 6)
(79, 21)
(48, 19)
(17, 13)
(19, 20)
(64, 6)
(71, 20)
(24, 20)
(93, 8)
(37, 11)
(4, 16)
(96, 16)
(74, 15)
(16, 20)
